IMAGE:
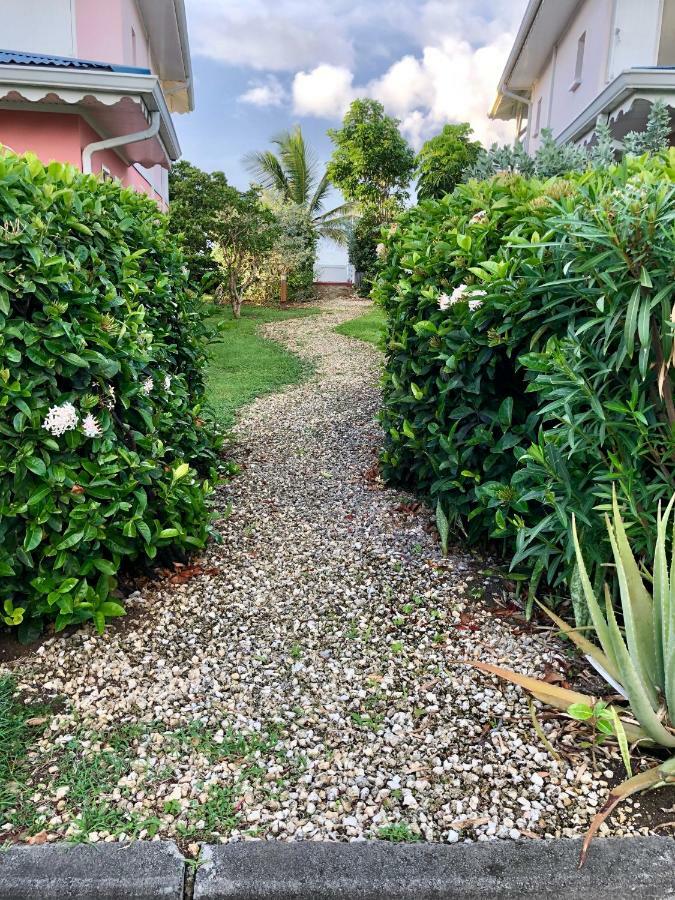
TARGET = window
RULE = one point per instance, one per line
(579, 66)
(537, 121)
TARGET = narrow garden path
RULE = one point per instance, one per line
(301, 683)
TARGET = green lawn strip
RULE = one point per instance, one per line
(90, 781)
(19, 726)
(244, 365)
(368, 327)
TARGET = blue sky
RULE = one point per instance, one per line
(261, 66)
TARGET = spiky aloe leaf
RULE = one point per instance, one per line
(552, 694)
(636, 602)
(668, 628)
(638, 658)
(587, 647)
(443, 527)
(635, 688)
(622, 740)
(662, 774)
(593, 606)
(660, 594)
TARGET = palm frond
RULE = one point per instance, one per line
(299, 163)
(322, 189)
(348, 210)
(267, 169)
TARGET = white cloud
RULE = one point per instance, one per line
(268, 35)
(449, 82)
(270, 92)
(455, 54)
(326, 91)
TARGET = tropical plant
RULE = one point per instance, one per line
(291, 174)
(656, 136)
(372, 165)
(442, 160)
(549, 161)
(638, 661)
(105, 453)
(290, 257)
(552, 159)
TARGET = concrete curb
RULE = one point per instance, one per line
(375, 870)
(145, 870)
(617, 868)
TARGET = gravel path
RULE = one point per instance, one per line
(302, 685)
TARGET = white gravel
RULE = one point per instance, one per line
(326, 621)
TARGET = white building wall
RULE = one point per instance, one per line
(38, 26)
(635, 35)
(555, 86)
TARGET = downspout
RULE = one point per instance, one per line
(119, 141)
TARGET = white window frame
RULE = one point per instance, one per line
(579, 64)
(537, 119)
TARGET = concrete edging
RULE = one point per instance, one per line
(499, 870)
(617, 868)
(144, 870)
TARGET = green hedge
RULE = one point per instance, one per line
(538, 386)
(104, 454)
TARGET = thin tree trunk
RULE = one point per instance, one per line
(235, 299)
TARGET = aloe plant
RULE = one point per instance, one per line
(638, 660)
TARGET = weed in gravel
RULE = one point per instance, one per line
(398, 833)
(217, 816)
(373, 721)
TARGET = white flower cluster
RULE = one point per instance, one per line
(147, 386)
(109, 401)
(60, 419)
(64, 418)
(91, 427)
(167, 382)
(381, 251)
(463, 292)
(478, 217)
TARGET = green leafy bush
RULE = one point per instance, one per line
(104, 453)
(529, 346)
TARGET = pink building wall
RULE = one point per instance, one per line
(117, 37)
(107, 31)
(61, 137)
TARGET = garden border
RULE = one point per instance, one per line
(641, 867)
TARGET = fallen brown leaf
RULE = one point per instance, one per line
(39, 838)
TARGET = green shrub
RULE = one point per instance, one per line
(527, 408)
(104, 452)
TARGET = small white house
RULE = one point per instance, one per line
(575, 63)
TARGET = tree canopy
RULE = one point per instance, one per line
(443, 159)
(372, 162)
(196, 197)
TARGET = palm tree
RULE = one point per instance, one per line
(292, 173)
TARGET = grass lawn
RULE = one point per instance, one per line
(245, 365)
(368, 327)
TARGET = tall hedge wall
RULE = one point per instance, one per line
(529, 353)
(104, 452)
